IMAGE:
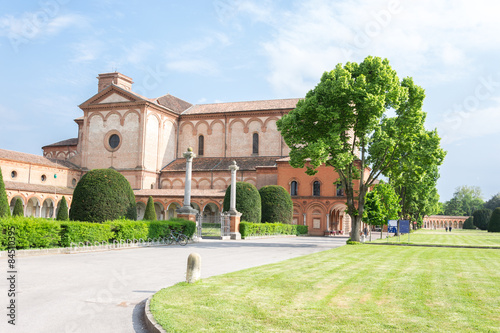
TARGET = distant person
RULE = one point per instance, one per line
(450, 229)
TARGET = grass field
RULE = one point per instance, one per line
(350, 289)
(455, 237)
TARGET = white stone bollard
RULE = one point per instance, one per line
(193, 273)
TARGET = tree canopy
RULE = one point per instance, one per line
(363, 121)
(465, 201)
(493, 203)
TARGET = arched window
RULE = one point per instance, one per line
(293, 188)
(255, 149)
(340, 190)
(201, 145)
(316, 189)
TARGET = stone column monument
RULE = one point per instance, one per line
(186, 211)
(234, 215)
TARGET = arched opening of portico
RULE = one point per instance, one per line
(13, 203)
(33, 207)
(171, 210)
(159, 211)
(141, 209)
(48, 208)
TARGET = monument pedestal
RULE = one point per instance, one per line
(187, 213)
(234, 229)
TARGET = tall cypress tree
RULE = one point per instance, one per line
(18, 208)
(150, 213)
(4, 202)
(62, 214)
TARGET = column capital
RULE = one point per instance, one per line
(234, 167)
(189, 155)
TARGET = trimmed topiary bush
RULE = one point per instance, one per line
(247, 201)
(103, 194)
(150, 213)
(469, 223)
(481, 218)
(4, 202)
(18, 208)
(62, 214)
(494, 223)
(277, 205)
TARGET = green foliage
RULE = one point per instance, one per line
(351, 242)
(62, 214)
(481, 218)
(469, 223)
(103, 194)
(75, 232)
(351, 104)
(494, 223)
(150, 213)
(4, 202)
(30, 232)
(128, 229)
(381, 205)
(248, 201)
(277, 205)
(466, 200)
(493, 203)
(18, 208)
(248, 229)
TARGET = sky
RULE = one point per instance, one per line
(51, 52)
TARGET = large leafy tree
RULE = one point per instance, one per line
(493, 203)
(466, 200)
(381, 205)
(481, 218)
(345, 122)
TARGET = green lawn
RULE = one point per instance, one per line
(455, 237)
(350, 289)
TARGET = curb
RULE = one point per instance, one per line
(449, 246)
(151, 325)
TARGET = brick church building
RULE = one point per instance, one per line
(144, 139)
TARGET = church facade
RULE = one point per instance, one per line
(144, 139)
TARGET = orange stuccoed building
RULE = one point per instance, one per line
(144, 139)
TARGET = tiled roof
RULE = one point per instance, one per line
(180, 193)
(275, 104)
(15, 186)
(68, 142)
(173, 103)
(222, 163)
(35, 159)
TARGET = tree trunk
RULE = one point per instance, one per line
(355, 228)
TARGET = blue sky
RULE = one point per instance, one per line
(220, 51)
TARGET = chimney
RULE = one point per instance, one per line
(118, 79)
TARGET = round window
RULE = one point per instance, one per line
(13, 174)
(114, 141)
(44, 178)
(73, 181)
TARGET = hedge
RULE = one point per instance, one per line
(75, 232)
(33, 232)
(257, 229)
(30, 232)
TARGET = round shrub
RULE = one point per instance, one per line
(494, 224)
(481, 218)
(62, 214)
(277, 205)
(4, 202)
(18, 208)
(469, 223)
(103, 194)
(247, 201)
(150, 213)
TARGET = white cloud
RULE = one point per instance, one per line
(436, 38)
(87, 51)
(464, 124)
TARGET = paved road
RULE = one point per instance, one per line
(105, 291)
